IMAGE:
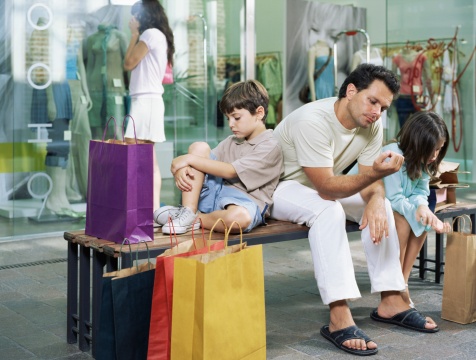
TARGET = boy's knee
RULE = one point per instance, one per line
(238, 214)
(199, 148)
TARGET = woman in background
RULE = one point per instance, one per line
(150, 49)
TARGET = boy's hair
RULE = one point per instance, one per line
(249, 95)
(366, 74)
(418, 139)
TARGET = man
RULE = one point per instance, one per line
(319, 141)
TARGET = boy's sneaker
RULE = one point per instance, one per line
(182, 222)
(161, 215)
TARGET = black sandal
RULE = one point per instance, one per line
(410, 319)
(338, 337)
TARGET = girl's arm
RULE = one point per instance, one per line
(136, 50)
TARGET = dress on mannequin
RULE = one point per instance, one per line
(77, 171)
(414, 74)
(323, 86)
(106, 77)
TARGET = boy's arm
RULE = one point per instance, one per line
(205, 165)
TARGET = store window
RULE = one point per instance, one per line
(61, 79)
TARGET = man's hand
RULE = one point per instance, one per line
(183, 177)
(387, 163)
(375, 217)
(178, 163)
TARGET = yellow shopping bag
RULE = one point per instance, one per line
(218, 307)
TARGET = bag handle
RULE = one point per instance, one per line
(211, 232)
(105, 128)
(137, 254)
(133, 124)
(171, 224)
(203, 233)
(130, 252)
(231, 228)
(463, 218)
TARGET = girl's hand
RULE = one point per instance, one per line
(442, 227)
(134, 26)
(425, 216)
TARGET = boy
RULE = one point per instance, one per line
(235, 181)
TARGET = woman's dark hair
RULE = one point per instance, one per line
(366, 74)
(249, 95)
(151, 14)
(418, 139)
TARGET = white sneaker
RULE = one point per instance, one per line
(182, 222)
(161, 215)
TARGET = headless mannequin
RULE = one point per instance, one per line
(324, 86)
(415, 75)
(77, 171)
(106, 78)
(52, 105)
(360, 57)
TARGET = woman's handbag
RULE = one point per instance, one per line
(304, 93)
(169, 75)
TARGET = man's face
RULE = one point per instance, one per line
(366, 106)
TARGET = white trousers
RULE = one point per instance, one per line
(333, 267)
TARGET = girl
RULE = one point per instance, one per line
(150, 49)
(423, 141)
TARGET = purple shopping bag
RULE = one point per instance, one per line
(120, 191)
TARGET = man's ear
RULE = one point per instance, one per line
(351, 91)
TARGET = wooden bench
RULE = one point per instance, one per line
(82, 248)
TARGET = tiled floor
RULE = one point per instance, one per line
(33, 307)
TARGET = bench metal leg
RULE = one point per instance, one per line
(422, 259)
(84, 295)
(99, 261)
(438, 257)
(72, 294)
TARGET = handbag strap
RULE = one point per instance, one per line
(318, 73)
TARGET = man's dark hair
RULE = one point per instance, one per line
(365, 74)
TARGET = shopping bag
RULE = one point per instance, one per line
(169, 75)
(120, 191)
(106, 335)
(445, 183)
(161, 312)
(218, 305)
(459, 288)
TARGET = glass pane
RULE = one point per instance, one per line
(60, 54)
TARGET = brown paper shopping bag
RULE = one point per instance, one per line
(218, 305)
(459, 289)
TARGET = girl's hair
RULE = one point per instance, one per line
(418, 139)
(151, 14)
(249, 95)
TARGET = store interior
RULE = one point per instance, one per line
(217, 42)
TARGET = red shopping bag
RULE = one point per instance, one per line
(160, 330)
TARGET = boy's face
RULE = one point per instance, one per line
(245, 125)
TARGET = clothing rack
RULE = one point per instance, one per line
(398, 43)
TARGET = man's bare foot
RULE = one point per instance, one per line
(341, 318)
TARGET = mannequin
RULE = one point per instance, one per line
(415, 76)
(323, 87)
(360, 57)
(77, 171)
(52, 105)
(106, 50)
